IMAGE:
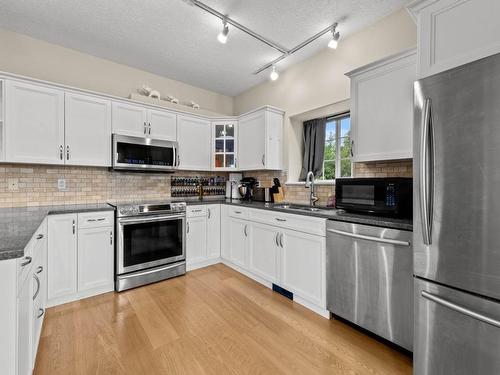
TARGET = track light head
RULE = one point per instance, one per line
(274, 74)
(222, 37)
(334, 41)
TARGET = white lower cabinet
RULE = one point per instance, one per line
(196, 240)
(95, 258)
(62, 257)
(213, 231)
(238, 244)
(80, 256)
(264, 252)
(303, 266)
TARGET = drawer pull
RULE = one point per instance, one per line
(237, 212)
(100, 219)
(39, 237)
(37, 286)
(39, 270)
(282, 220)
(41, 313)
(26, 262)
(196, 211)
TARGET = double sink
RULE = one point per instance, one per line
(298, 207)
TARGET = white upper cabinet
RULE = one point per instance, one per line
(34, 126)
(194, 137)
(162, 125)
(224, 145)
(382, 108)
(130, 119)
(454, 32)
(260, 140)
(88, 130)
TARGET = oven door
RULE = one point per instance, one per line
(150, 241)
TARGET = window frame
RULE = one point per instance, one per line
(338, 160)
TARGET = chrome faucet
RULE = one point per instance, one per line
(310, 184)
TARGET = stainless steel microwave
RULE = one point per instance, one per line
(391, 196)
(143, 154)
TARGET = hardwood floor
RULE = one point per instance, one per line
(211, 321)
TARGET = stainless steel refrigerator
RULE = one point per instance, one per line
(457, 220)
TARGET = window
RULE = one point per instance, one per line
(337, 159)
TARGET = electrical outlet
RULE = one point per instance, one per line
(61, 184)
(13, 184)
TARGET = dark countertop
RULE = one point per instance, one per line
(17, 225)
(329, 213)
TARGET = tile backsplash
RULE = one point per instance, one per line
(36, 185)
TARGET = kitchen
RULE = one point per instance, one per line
(324, 207)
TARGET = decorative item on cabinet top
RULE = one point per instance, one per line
(193, 186)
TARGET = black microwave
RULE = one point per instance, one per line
(391, 196)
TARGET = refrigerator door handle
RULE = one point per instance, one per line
(426, 180)
(460, 309)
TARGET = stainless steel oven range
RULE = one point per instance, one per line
(150, 243)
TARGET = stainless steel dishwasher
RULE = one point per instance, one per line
(370, 279)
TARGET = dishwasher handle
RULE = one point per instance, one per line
(370, 238)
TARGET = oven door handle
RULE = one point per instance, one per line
(151, 219)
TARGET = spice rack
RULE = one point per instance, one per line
(189, 186)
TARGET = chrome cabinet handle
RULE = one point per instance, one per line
(196, 211)
(111, 237)
(39, 237)
(281, 240)
(352, 148)
(209, 213)
(460, 309)
(370, 238)
(145, 128)
(264, 159)
(41, 312)
(282, 220)
(100, 219)
(149, 129)
(37, 286)
(426, 180)
(39, 270)
(61, 152)
(74, 227)
(67, 152)
(276, 239)
(237, 212)
(245, 230)
(187, 227)
(27, 261)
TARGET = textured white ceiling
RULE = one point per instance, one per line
(177, 40)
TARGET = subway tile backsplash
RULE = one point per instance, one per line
(36, 185)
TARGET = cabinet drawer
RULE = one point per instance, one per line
(302, 223)
(195, 211)
(238, 212)
(95, 219)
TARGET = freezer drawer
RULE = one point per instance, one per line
(370, 279)
(455, 332)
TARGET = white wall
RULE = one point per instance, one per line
(319, 81)
(35, 58)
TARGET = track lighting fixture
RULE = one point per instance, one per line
(274, 74)
(222, 37)
(334, 42)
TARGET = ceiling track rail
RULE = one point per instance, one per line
(284, 52)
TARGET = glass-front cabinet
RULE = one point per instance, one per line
(224, 147)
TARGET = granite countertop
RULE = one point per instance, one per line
(326, 213)
(17, 225)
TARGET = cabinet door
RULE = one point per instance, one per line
(25, 328)
(95, 259)
(251, 145)
(196, 239)
(213, 231)
(194, 137)
(129, 119)
(239, 232)
(224, 145)
(34, 126)
(263, 252)
(62, 256)
(162, 125)
(382, 110)
(303, 266)
(88, 130)
(225, 230)
(274, 141)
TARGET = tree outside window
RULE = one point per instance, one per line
(337, 159)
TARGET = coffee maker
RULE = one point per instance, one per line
(245, 188)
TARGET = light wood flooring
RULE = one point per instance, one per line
(210, 321)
